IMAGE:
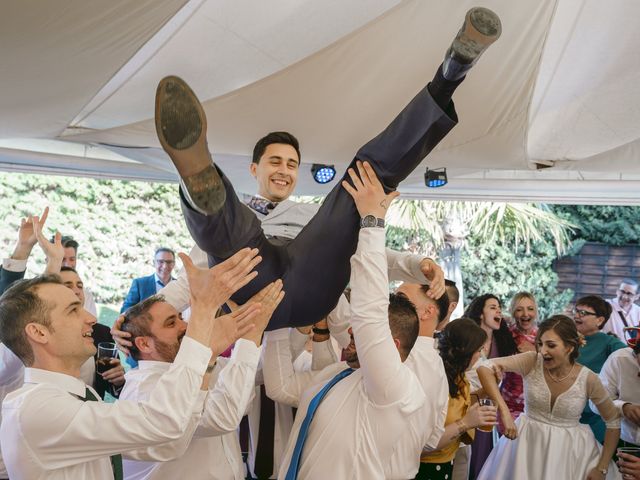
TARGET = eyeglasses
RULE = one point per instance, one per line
(165, 262)
(582, 313)
(624, 292)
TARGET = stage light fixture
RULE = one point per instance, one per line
(435, 178)
(323, 173)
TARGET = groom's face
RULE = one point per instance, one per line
(276, 172)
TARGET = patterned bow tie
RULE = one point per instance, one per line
(261, 205)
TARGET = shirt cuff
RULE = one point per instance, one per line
(13, 265)
(371, 239)
(619, 404)
(276, 335)
(246, 351)
(194, 355)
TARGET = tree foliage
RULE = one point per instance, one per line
(612, 225)
(118, 224)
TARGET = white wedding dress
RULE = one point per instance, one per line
(552, 444)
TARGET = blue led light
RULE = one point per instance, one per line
(435, 178)
(323, 173)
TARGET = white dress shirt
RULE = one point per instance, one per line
(213, 452)
(426, 425)
(355, 428)
(619, 376)
(49, 432)
(615, 324)
(322, 355)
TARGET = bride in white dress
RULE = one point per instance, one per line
(548, 441)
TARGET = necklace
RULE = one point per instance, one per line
(558, 380)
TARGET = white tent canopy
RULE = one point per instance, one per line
(550, 113)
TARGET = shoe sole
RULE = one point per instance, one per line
(481, 28)
(181, 126)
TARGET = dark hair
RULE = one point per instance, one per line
(442, 303)
(19, 306)
(452, 291)
(275, 137)
(566, 329)
(403, 322)
(599, 305)
(68, 269)
(137, 321)
(457, 343)
(503, 338)
(164, 249)
(68, 241)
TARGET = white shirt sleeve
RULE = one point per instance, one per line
(232, 392)
(77, 431)
(282, 383)
(405, 267)
(609, 376)
(338, 322)
(386, 379)
(13, 265)
(322, 355)
(11, 367)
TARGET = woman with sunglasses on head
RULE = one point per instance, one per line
(590, 315)
(547, 441)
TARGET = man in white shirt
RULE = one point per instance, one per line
(353, 431)
(625, 312)
(54, 426)
(620, 376)
(70, 259)
(213, 452)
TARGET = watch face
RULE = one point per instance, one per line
(369, 221)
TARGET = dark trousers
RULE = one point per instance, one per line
(315, 266)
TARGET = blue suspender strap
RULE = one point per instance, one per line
(294, 464)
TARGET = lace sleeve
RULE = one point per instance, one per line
(521, 363)
(600, 398)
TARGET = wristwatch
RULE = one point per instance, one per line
(371, 221)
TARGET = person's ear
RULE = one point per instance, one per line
(253, 169)
(144, 344)
(37, 332)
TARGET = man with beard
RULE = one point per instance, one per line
(156, 331)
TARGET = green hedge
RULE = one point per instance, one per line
(118, 224)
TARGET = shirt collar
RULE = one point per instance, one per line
(70, 384)
(153, 365)
(158, 281)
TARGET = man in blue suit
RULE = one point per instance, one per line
(144, 287)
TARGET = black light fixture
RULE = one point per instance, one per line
(435, 178)
(323, 173)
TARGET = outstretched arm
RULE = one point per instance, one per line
(386, 379)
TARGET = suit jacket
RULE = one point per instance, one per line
(141, 288)
(8, 277)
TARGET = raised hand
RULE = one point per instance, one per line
(120, 337)
(53, 251)
(367, 191)
(432, 271)
(27, 237)
(268, 298)
(212, 287)
(229, 328)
